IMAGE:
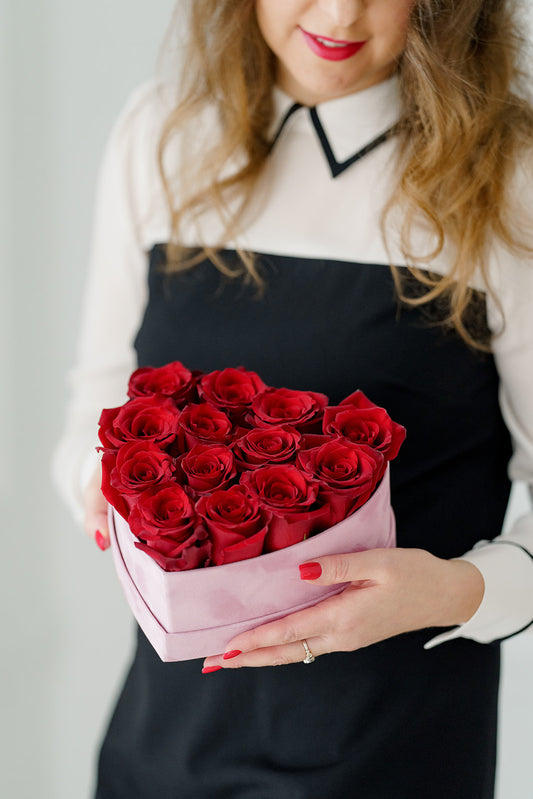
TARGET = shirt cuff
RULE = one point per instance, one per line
(507, 604)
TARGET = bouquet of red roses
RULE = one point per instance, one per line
(213, 469)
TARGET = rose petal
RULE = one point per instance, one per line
(195, 552)
(289, 529)
(113, 496)
(172, 380)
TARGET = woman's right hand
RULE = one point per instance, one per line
(95, 506)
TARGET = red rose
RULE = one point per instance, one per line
(301, 409)
(208, 467)
(166, 524)
(236, 524)
(148, 419)
(165, 510)
(231, 389)
(266, 445)
(347, 473)
(282, 488)
(205, 424)
(173, 380)
(139, 466)
(135, 467)
(291, 497)
(362, 422)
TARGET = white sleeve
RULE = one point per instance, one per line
(506, 563)
(114, 298)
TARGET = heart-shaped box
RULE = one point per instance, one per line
(193, 614)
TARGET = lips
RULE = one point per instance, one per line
(331, 49)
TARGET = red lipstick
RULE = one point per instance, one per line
(331, 49)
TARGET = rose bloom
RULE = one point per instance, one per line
(236, 524)
(165, 522)
(204, 423)
(293, 498)
(268, 445)
(300, 409)
(208, 467)
(348, 473)
(282, 488)
(173, 380)
(362, 422)
(130, 470)
(141, 465)
(233, 390)
(148, 419)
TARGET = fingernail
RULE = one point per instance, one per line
(232, 654)
(101, 542)
(209, 669)
(310, 571)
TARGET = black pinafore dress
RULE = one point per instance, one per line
(391, 721)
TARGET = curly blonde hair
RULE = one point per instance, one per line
(466, 121)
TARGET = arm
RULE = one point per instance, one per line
(114, 298)
(506, 563)
(391, 591)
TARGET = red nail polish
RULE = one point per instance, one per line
(310, 571)
(232, 654)
(101, 542)
(209, 669)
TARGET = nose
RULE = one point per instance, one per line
(343, 12)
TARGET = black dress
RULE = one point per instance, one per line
(393, 720)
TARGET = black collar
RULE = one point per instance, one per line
(375, 110)
(336, 167)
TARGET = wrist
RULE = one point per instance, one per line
(467, 588)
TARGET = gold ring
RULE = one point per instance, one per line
(309, 657)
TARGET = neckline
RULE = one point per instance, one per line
(348, 127)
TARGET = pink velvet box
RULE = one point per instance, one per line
(193, 614)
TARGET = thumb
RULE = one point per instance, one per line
(334, 569)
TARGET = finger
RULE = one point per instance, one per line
(360, 567)
(96, 527)
(95, 508)
(269, 656)
(307, 623)
(102, 542)
(284, 631)
(96, 520)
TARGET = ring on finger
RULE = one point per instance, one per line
(309, 657)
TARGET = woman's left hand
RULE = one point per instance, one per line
(390, 591)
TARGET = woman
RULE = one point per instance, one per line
(267, 219)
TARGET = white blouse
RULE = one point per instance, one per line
(131, 216)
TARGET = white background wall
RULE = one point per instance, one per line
(66, 67)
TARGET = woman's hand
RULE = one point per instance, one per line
(391, 591)
(95, 505)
